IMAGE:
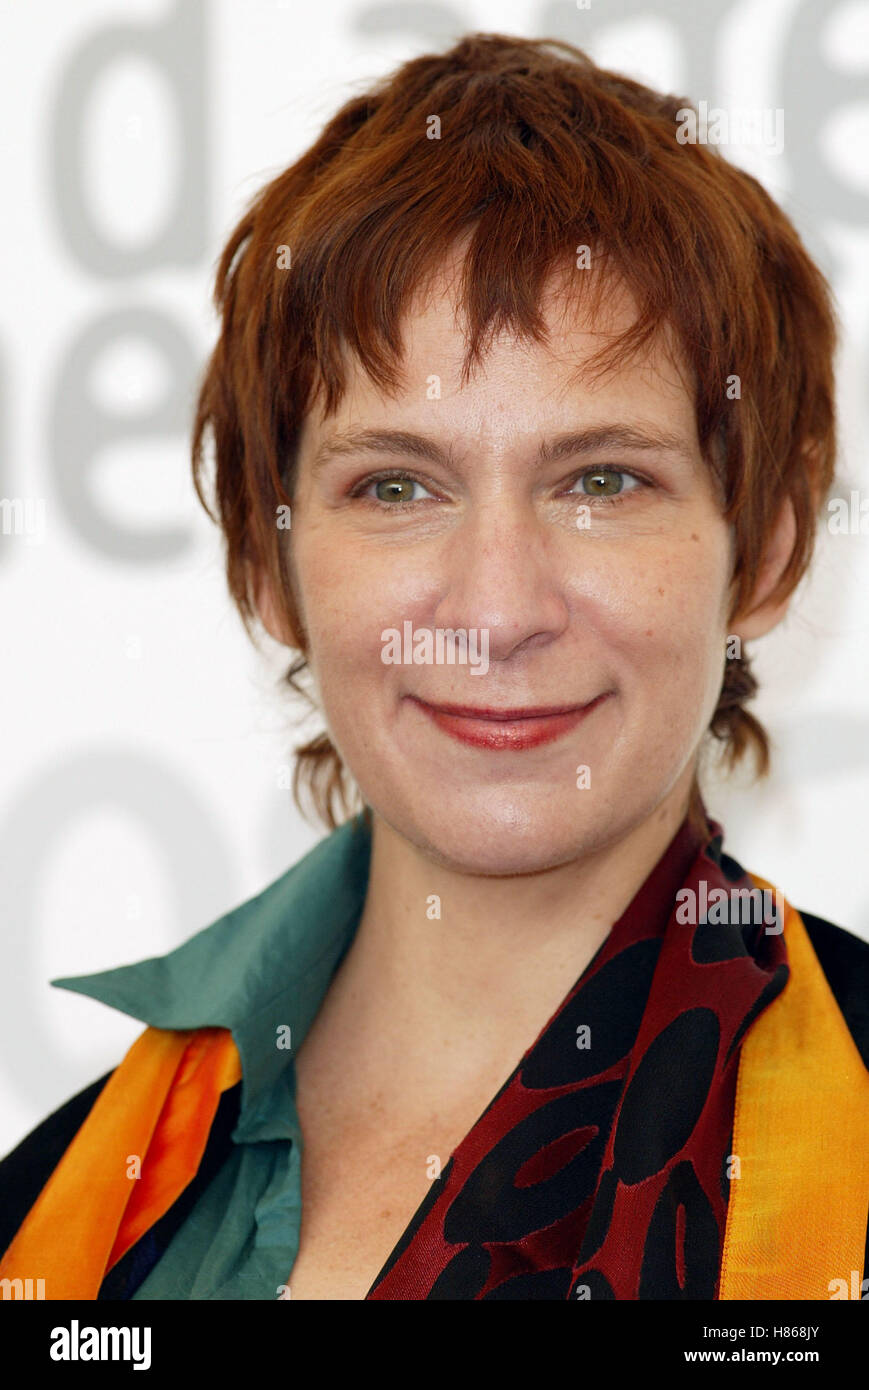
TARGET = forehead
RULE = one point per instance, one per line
(520, 386)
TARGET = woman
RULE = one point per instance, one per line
(523, 414)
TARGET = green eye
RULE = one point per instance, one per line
(395, 489)
(603, 482)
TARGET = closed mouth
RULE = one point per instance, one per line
(508, 729)
(501, 716)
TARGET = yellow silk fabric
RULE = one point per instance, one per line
(796, 1215)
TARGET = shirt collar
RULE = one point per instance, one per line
(262, 967)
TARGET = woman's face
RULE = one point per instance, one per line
(588, 577)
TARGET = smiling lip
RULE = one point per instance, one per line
(483, 727)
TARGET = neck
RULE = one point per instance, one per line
(487, 973)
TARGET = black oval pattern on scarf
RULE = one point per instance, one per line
(713, 942)
(468, 1270)
(492, 1207)
(659, 1276)
(538, 1283)
(611, 1003)
(666, 1096)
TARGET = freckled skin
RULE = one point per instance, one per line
(634, 606)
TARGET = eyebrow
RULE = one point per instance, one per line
(560, 447)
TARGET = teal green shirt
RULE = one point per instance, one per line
(257, 970)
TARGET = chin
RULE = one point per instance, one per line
(520, 832)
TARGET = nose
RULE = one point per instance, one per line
(501, 574)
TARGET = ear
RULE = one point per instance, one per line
(762, 613)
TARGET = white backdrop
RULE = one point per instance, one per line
(144, 745)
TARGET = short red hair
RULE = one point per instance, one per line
(540, 151)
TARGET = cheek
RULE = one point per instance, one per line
(662, 614)
(347, 599)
